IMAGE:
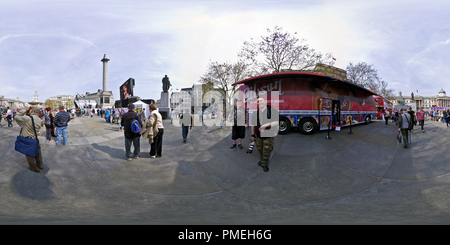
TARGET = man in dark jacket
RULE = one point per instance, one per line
(60, 121)
(130, 137)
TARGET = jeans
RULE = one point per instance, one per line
(184, 131)
(61, 131)
(137, 147)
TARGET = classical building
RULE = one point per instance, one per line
(188, 98)
(65, 100)
(12, 103)
(325, 70)
(427, 102)
(330, 71)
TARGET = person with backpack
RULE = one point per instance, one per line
(404, 125)
(131, 129)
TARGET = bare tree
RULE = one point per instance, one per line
(366, 76)
(281, 51)
(223, 75)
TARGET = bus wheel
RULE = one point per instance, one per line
(307, 126)
(285, 125)
(367, 119)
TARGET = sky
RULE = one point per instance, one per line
(56, 46)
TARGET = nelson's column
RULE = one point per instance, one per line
(106, 97)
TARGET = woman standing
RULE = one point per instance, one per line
(120, 119)
(25, 122)
(155, 122)
(48, 121)
(447, 118)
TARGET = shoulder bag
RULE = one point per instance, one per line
(27, 146)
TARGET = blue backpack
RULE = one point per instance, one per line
(135, 126)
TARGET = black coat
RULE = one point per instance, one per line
(127, 119)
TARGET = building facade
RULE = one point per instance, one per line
(65, 100)
(12, 103)
(188, 98)
(427, 102)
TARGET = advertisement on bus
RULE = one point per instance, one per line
(311, 101)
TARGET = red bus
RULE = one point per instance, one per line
(382, 104)
(306, 100)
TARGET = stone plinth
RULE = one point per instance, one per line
(164, 105)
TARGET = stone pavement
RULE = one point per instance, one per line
(360, 178)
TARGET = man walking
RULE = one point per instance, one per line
(130, 137)
(421, 118)
(386, 116)
(264, 128)
(186, 121)
(60, 121)
(403, 126)
(9, 117)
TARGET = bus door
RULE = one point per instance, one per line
(336, 112)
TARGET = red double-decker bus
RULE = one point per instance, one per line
(310, 101)
(382, 104)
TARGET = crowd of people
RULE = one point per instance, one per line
(263, 124)
(407, 119)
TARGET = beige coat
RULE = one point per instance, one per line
(149, 129)
(24, 121)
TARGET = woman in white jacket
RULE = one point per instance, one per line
(154, 124)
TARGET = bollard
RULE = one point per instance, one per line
(351, 126)
(328, 135)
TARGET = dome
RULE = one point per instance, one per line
(442, 92)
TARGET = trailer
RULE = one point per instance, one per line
(310, 101)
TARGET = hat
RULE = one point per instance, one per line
(35, 108)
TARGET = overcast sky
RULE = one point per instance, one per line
(57, 46)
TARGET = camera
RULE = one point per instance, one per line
(250, 148)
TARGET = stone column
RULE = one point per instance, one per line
(105, 73)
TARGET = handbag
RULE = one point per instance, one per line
(399, 137)
(27, 146)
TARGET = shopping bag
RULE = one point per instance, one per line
(399, 137)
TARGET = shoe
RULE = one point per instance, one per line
(37, 171)
(184, 141)
(259, 163)
(233, 146)
(240, 146)
(405, 146)
(40, 167)
(152, 156)
(128, 159)
(136, 157)
(265, 168)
